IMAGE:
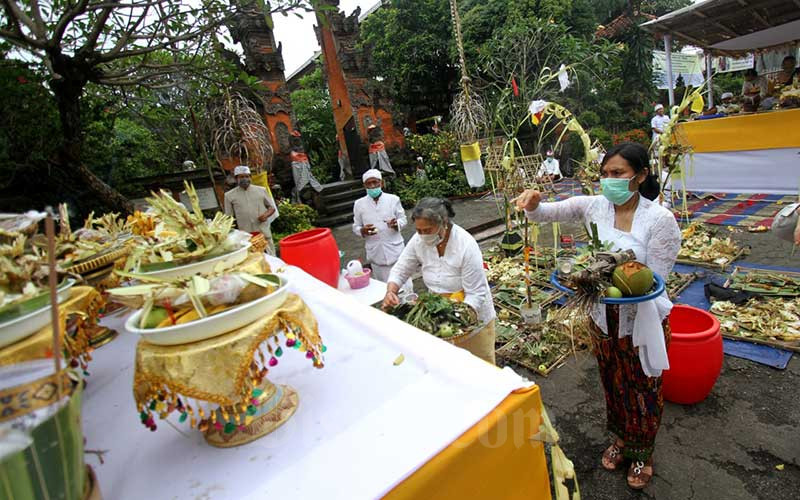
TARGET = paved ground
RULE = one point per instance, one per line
(725, 448)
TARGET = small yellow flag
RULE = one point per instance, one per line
(698, 104)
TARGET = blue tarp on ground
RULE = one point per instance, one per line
(694, 295)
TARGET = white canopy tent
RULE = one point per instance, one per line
(728, 27)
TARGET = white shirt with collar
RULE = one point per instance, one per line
(384, 247)
(460, 268)
(658, 122)
(245, 205)
(550, 166)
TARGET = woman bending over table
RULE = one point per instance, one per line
(452, 266)
(630, 340)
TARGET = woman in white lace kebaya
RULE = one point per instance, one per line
(631, 345)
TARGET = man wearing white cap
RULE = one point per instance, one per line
(379, 218)
(727, 106)
(252, 206)
(659, 122)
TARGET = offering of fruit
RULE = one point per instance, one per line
(633, 279)
(613, 292)
(182, 300)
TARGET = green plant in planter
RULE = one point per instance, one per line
(294, 218)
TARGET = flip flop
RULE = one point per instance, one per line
(639, 474)
(612, 457)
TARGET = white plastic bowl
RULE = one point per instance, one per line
(230, 259)
(211, 326)
(24, 326)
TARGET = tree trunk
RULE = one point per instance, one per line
(68, 90)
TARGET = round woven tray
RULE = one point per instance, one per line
(99, 260)
(458, 339)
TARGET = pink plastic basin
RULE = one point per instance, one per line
(357, 282)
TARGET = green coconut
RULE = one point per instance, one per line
(633, 279)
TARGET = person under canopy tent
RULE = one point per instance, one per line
(452, 266)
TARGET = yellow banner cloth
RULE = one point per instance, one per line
(494, 459)
(771, 130)
(84, 300)
(470, 152)
(216, 369)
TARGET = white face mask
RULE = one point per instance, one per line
(430, 239)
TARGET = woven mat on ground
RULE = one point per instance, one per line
(734, 209)
(567, 188)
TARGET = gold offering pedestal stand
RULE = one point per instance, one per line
(219, 384)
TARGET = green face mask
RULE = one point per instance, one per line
(374, 192)
(616, 190)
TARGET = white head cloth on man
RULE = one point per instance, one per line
(241, 170)
(372, 173)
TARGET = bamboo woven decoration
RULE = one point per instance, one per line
(468, 114)
(239, 132)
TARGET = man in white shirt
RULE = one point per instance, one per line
(658, 122)
(379, 218)
(549, 170)
(252, 206)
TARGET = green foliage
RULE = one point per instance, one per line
(123, 150)
(727, 82)
(411, 189)
(589, 119)
(30, 121)
(532, 50)
(601, 135)
(435, 149)
(294, 218)
(312, 107)
(443, 168)
(634, 135)
(410, 43)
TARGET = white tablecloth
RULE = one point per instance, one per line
(363, 424)
(370, 294)
(770, 171)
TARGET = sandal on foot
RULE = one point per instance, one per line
(612, 457)
(639, 474)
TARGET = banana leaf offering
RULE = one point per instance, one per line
(765, 282)
(173, 235)
(98, 236)
(677, 283)
(436, 315)
(774, 319)
(513, 298)
(541, 349)
(702, 246)
(510, 272)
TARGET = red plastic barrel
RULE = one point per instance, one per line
(695, 355)
(315, 252)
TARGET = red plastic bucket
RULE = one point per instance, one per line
(695, 355)
(315, 252)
